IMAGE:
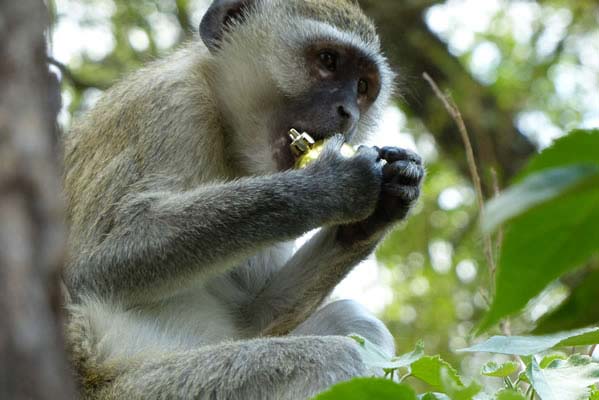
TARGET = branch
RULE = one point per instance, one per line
(456, 115)
(78, 83)
(183, 17)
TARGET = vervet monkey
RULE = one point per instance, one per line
(183, 208)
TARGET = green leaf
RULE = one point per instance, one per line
(537, 189)
(508, 394)
(464, 393)
(430, 370)
(578, 310)
(529, 345)
(374, 356)
(361, 341)
(540, 246)
(408, 359)
(565, 381)
(586, 339)
(579, 146)
(500, 370)
(580, 359)
(368, 388)
(526, 359)
(523, 377)
(433, 396)
(456, 390)
(554, 230)
(547, 360)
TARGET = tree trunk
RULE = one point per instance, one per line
(32, 231)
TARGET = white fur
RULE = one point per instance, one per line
(183, 322)
(197, 317)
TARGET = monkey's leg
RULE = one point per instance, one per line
(296, 291)
(345, 317)
(292, 368)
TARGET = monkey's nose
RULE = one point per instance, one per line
(348, 116)
(343, 112)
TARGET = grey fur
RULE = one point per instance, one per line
(260, 369)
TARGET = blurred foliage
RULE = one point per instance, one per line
(538, 58)
(580, 308)
(533, 254)
(557, 231)
(532, 66)
(536, 374)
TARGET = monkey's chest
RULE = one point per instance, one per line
(185, 322)
(196, 318)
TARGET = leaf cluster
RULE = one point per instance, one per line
(549, 219)
(532, 373)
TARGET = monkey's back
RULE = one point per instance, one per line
(154, 130)
(152, 124)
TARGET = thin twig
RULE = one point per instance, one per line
(484, 296)
(77, 82)
(506, 327)
(497, 192)
(456, 115)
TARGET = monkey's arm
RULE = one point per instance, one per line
(161, 240)
(299, 288)
(309, 277)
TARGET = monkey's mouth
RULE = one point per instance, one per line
(315, 134)
(306, 150)
(283, 151)
(301, 145)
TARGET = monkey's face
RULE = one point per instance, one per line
(288, 64)
(341, 83)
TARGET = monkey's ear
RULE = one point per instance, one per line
(219, 17)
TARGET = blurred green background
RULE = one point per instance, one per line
(522, 72)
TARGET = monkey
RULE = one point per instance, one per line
(182, 280)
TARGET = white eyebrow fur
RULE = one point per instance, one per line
(311, 29)
(316, 29)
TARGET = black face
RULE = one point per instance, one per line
(346, 84)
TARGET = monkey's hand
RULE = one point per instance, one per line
(347, 188)
(402, 179)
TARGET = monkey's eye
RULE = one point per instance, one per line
(328, 60)
(362, 86)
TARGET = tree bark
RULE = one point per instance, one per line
(413, 49)
(32, 360)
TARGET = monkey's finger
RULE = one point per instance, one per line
(406, 193)
(369, 153)
(392, 154)
(333, 145)
(403, 172)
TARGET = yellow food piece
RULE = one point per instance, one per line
(311, 155)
